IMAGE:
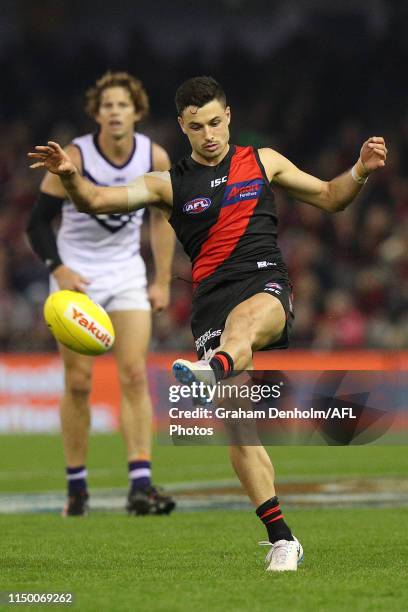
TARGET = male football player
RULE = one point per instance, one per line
(100, 254)
(221, 205)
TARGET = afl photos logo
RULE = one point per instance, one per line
(197, 206)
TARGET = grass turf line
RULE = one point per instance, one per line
(35, 462)
(354, 559)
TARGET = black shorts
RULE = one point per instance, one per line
(212, 305)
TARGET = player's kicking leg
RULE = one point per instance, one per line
(257, 322)
(132, 329)
(75, 422)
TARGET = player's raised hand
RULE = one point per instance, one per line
(373, 153)
(53, 158)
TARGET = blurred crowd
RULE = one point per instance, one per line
(349, 270)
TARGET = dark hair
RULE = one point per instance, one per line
(198, 91)
(117, 79)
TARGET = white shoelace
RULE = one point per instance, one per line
(279, 550)
(208, 355)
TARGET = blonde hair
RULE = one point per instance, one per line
(117, 79)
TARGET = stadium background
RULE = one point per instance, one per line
(312, 79)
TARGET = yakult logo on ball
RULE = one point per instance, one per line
(89, 325)
(196, 206)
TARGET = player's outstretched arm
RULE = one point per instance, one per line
(162, 241)
(90, 198)
(334, 195)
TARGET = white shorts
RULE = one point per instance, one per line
(123, 290)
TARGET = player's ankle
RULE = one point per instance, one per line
(271, 516)
(222, 365)
(76, 480)
(140, 474)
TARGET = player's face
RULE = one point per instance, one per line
(207, 129)
(117, 114)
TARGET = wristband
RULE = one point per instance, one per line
(52, 264)
(361, 180)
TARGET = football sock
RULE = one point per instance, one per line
(222, 364)
(140, 474)
(271, 515)
(76, 479)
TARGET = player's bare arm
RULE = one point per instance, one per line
(331, 196)
(162, 240)
(148, 189)
(160, 163)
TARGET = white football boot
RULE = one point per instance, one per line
(284, 555)
(189, 372)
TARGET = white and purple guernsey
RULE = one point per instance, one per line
(95, 244)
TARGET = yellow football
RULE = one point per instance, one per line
(79, 323)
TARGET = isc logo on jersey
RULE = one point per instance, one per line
(218, 181)
(274, 287)
(79, 323)
(197, 206)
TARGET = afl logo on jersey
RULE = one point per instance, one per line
(197, 206)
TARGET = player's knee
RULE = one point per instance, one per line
(263, 330)
(240, 323)
(237, 330)
(133, 376)
(78, 382)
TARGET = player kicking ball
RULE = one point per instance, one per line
(220, 203)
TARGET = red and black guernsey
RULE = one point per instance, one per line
(225, 216)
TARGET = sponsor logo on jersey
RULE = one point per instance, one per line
(89, 324)
(265, 264)
(202, 340)
(239, 192)
(197, 206)
(274, 287)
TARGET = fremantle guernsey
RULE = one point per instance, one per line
(225, 217)
(104, 242)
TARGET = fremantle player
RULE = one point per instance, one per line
(220, 203)
(100, 255)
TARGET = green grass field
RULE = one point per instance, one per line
(355, 558)
(35, 462)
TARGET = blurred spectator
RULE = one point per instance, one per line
(341, 323)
